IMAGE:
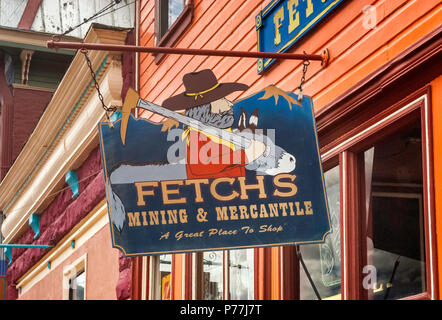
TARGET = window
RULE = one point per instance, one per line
(172, 17)
(74, 280)
(395, 215)
(241, 275)
(323, 261)
(161, 268)
(228, 275)
(213, 269)
(165, 276)
(169, 11)
(387, 210)
(76, 286)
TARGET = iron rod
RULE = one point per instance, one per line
(186, 51)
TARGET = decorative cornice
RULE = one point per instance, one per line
(65, 134)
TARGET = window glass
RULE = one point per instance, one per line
(213, 275)
(168, 12)
(165, 274)
(241, 274)
(323, 261)
(174, 10)
(76, 286)
(394, 216)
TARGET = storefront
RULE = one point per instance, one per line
(376, 105)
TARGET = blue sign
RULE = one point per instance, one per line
(185, 188)
(282, 23)
(3, 267)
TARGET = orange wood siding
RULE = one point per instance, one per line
(355, 52)
(436, 92)
(177, 276)
(229, 25)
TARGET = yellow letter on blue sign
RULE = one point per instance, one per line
(277, 20)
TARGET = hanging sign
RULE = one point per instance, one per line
(282, 23)
(215, 174)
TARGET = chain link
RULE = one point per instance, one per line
(305, 65)
(97, 86)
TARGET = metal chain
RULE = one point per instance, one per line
(305, 65)
(97, 86)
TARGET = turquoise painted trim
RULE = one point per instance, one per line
(60, 131)
(72, 181)
(8, 254)
(34, 222)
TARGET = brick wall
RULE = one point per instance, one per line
(28, 107)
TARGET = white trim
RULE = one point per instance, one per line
(194, 274)
(144, 276)
(226, 274)
(281, 272)
(428, 178)
(183, 276)
(344, 226)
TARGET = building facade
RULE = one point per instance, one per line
(377, 107)
(52, 193)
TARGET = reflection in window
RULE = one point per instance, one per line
(165, 274)
(394, 215)
(174, 10)
(213, 275)
(76, 286)
(168, 12)
(323, 261)
(241, 274)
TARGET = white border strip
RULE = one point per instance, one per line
(430, 221)
(344, 225)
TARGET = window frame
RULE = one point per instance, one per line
(73, 270)
(197, 269)
(367, 132)
(176, 29)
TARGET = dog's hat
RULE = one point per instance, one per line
(202, 87)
